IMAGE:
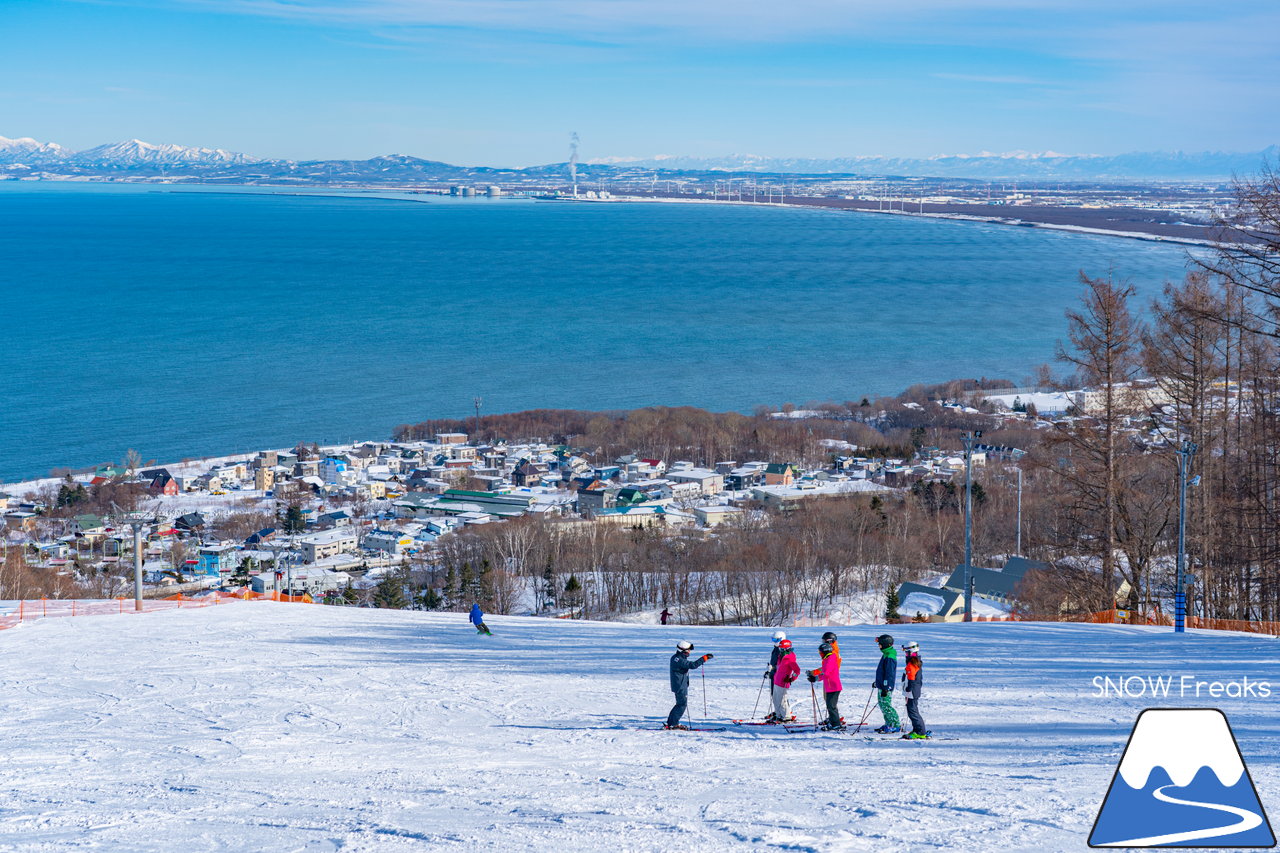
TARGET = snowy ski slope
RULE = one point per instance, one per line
(261, 726)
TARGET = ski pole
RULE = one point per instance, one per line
(759, 693)
(813, 696)
(704, 695)
(866, 711)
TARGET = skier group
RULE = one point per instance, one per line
(784, 670)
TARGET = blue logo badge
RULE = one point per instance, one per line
(1182, 782)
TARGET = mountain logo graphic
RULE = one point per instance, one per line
(1182, 782)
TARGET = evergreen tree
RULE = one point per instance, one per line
(349, 595)
(71, 493)
(548, 584)
(429, 599)
(389, 593)
(294, 521)
(891, 605)
(572, 591)
(466, 585)
(240, 577)
(450, 591)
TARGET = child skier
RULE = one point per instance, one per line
(911, 682)
(681, 666)
(778, 637)
(829, 673)
(886, 674)
(785, 672)
(477, 619)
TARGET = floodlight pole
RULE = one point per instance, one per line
(968, 438)
(1185, 454)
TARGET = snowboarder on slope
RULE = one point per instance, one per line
(786, 671)
(681, 666)
(912, 680)
(829, 674)
(886, 674)
(477, 619)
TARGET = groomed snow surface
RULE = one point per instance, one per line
(272, 727)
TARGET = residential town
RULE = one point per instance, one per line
(335, 519)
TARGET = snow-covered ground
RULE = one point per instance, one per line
(262, 726)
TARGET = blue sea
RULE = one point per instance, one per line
(191, 321)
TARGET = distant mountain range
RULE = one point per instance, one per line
(1023, 165)
(26, 157)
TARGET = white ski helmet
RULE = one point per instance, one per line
(779, 636)
(684, 646)
(911, 648)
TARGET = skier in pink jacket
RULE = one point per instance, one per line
(830, 675)
(784, 675)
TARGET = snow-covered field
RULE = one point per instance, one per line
(274, 727)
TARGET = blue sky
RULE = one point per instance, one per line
(504, 82)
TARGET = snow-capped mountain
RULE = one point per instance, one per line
(1047, 165)
(27, 150)
(135, 152)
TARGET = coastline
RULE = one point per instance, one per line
(1136, 233)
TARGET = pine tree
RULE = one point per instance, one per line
(429, 599)
(572, 591)
(466, 584)
(484, 581)
(891, 605)
(294, 521)
(548, 584)
(349, 595)
(389, 593)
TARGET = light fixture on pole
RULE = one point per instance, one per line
(1185, 454)
(968, 438)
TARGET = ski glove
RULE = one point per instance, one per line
(708, 656)
(884, 693)
(812, 678)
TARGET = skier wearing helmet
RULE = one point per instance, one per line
(681, 666)
(778, 637)
(829, 673)
(912, 679)
(785, 673)
(830, 637)
(886, 674)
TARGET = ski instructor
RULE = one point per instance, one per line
(681, 666)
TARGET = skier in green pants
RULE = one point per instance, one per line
(886, 673)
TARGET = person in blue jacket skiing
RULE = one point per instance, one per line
(477, 619)
(886, 674)
(681, 666)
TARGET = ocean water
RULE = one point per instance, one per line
(185, 322)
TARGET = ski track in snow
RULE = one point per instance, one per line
(260, 726)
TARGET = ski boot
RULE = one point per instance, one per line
(676, 727)
(888, 730)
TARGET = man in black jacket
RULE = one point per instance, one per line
(681, 666)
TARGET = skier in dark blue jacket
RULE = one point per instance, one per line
(681, 666)
(886, 673)
(477, 619)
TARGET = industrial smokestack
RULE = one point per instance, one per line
(573, 162)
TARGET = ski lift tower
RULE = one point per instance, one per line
(136, 521)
